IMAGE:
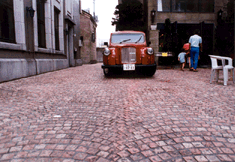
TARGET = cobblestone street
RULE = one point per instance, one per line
(77, 114)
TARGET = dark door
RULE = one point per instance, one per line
(181, 34)
(207, 31)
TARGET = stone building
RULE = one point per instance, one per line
(88, 38)
(38, 36)
(185, 17)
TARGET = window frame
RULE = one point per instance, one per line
(57, 28)
(10, 19)
(19, 22)
(199, 7)
(41, 21)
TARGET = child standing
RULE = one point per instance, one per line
(181, 58)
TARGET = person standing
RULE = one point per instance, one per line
(195, 45)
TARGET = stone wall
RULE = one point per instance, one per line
(88, 49)
(17, 68)
(99, 52)
(24, 57)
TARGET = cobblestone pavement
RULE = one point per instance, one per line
(77, 114)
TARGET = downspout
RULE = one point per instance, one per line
(51, 6)
(36, 64)
(64, 33)
(31, 18)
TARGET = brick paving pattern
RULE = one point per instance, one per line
(77, 114)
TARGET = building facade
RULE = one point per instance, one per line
(185, 16)
(38, 36)
(88, 38)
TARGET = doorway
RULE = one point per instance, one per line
(70, 53)
(181, 33)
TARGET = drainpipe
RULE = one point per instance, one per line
(30, 12)
(36, 64)
(51, 6)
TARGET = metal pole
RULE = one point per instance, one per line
(94, 9)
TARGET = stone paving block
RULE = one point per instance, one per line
(223, 157)
(103, 154)
(22, 154)
(17, 160)
(147, 153)
(68, 154)
(189, 159)
(212, 158)
(40, 147)
(144, 147)
(137, 156)
(4, 150)
(45, 153)
(187, 145)
(123, 153)
(164, 156)
(60, 147)
(201, 158)
(92, 151)
(155, 158)
(28, 147)
(33, 153)
(7, 156)
(102, 160)
(232, 157)
(104, 148)
(80, 156)
(227, 150)
(68, 160)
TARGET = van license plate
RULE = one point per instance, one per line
(128, 67)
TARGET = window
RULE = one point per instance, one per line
(207, 6)
(56, 26)
(7, 27)
(93, 36)
(41, 23)
(185, 5)
(192, 6)
(164, 5)
(81, 41)
(178, 5)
